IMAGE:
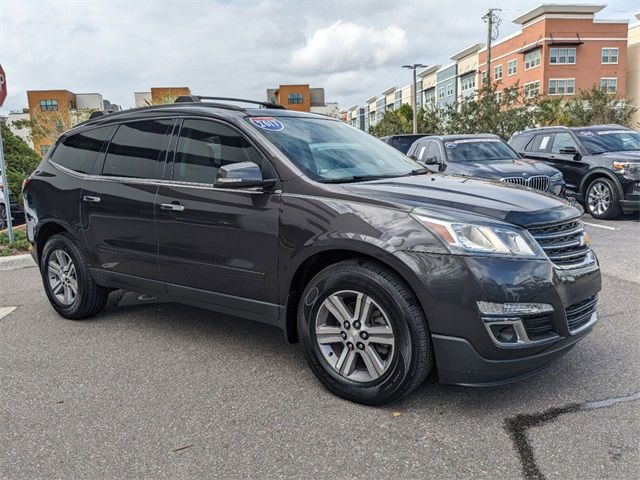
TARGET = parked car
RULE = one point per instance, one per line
(485, 156)
(601, 164)
(402, 142)
(381, 270)
(17, 212)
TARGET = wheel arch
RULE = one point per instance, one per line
(45, 231)
(317, 261)
(591, 175)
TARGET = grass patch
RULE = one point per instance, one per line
(20, 243)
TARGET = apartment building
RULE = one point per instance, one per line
(58, 110)
(633, 69)
(560, 50)
(159, 95)
(303, 98)
(13, 123)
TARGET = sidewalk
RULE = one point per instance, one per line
(16, 261)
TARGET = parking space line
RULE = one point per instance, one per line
(600, 226)
(4, 311)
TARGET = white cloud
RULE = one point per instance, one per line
(345, 46)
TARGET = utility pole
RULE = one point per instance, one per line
(493, 22)
(415, 93)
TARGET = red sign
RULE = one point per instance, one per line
(3, 86)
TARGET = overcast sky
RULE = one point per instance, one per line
(352, 48)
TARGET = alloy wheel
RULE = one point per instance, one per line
(599, 198)
(63, 278)
(354, 335)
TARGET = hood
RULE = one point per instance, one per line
(501, 168)
(492, 199)
(632, 156)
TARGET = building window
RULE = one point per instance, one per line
(562, 86)
(532, 89)
(497, 72)
(468, 84)
(609, 55)
(512, 67)
(498, 97)
(449, 89)
(49, 105)
(532, 59)
(562, 56)
(430, 97)
(609, 85)
(441, 92)
(295, 98)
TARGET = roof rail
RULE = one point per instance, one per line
(199, 98)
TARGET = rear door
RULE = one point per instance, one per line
(539, 147)
(118, 217)
(217, 246)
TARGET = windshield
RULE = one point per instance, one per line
(609, 141)
(475, 149)
(404, 142)
(329, 150)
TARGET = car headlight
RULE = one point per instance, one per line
(461, 237)
(556, 178)
(627, 167)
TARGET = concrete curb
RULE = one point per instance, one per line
(16, 261)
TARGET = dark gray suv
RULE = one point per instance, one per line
(382, 271)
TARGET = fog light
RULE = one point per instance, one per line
(513, 309)
(504, 333)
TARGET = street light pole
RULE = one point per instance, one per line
(414, 67)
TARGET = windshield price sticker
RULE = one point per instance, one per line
(267, 123)
(586, 133)
(450, 144)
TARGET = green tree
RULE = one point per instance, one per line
(20, 159)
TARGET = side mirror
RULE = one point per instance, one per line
(571, 151)
(431, 161)
(241, 175)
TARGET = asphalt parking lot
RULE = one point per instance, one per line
(157, 390)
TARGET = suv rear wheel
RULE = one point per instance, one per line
(603, 199)
(363, 333)
(67, 281)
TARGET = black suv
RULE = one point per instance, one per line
(17, 213)
(601, 164)
(485, 156)
(380, 269)
(402, 143)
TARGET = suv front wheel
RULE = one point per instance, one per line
(363, 333)
(602, 199)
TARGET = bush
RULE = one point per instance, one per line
(20, 159)
(20, 243)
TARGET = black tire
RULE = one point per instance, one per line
(607, 185)
(412, 352)
(90, 297)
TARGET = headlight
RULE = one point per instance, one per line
(622, 167)
(556, 178)
(477, 238)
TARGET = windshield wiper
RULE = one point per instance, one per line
(363, 178)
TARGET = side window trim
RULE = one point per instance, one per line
(169, 172)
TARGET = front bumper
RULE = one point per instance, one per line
(466, 353)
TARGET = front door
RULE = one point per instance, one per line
(118, 217)
(217, 246)
(572, 169)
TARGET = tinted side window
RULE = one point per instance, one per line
(540, 143)
(433, 151)
(79, 152)
(205, 146)
(136, 149)
(563, 140)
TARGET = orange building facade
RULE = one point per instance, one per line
(294, 97)
(160, 94)
(560, 50)
(51, 109)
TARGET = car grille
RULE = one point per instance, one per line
(562, 242)
(580, 313)
(538, 182)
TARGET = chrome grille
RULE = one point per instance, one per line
(537, 182)
(564, 243)
(580, 313)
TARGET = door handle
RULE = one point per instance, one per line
(175, 207)
(90, 199)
